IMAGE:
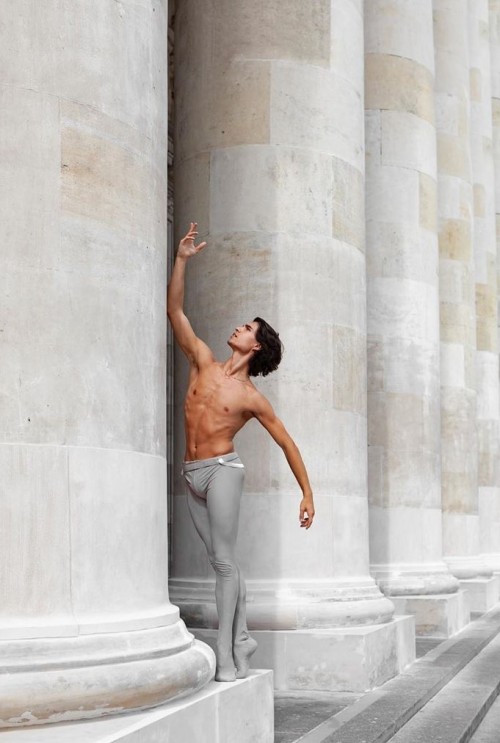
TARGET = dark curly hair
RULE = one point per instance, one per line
(267, 359)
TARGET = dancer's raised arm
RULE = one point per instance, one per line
(195, 349)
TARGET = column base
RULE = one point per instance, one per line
(492, 561)
(467, 567)
(288, 605)
(483, 592)
(436, 615)
(49, 680)
(340, 659)
(219, 713)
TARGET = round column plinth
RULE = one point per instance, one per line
(467, 567)
(50, 680)
(287, 606)
(414, 580)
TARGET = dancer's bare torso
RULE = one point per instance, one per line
(217, 406)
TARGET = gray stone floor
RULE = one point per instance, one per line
(297, 713)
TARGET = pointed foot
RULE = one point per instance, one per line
(242, 652)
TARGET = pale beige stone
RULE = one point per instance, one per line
(487, 334)
(227, 107)
(239, 31)
(486, 299)
(400, 250)
(348, 204)
(311, 104)
(400, 422)
(408, 142)
(192, 188)
(465, 205)
(463, 123)
(349, 377)
(376, 376)
(105, 181)
(347, 40)
(455, 324)
(452, 280)
(457, 488)
(402, 28)
(495, 110)
(26, 496)
(470, 362)
(455, 240)
(488, 451)
(30, 165)
(476, 81)
(452, 155)
(105, 63)
(491, 269)
(377, 418)
(412, 478)
(398, 84)
(428, 202)
(479, 200)
(17, 61)
(268, 188)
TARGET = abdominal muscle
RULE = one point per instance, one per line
(215, 410)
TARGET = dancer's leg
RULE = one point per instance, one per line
(244, 646)
(223, 501)
(199, 513)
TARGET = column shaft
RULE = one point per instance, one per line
(270, 162)
(456, 291)
(403, 301)
(85, 615)
(485, 257)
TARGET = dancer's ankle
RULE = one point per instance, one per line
(226, 669)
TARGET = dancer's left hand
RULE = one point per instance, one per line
(306, 512)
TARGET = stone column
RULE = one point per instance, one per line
(485, 255)
(86, 626)
(403, 316)
(459, 480)
(270, 162)
(494, 27)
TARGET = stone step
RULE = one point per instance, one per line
(489, 729)
(380, 715)
(454, 714)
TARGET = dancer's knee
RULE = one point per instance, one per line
(225, 567)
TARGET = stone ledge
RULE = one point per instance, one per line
(339, 659)
(483, 592)
(220, 713)
(437, 615)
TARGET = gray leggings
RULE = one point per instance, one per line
(214, 494)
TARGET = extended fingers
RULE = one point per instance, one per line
(192, 232)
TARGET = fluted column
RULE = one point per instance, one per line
(270, 162)
(86, 626)
(485, 256)
(403, 302)
(456, 290)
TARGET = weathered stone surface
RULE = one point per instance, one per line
(398, 84)
(84, 151)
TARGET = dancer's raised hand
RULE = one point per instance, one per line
(187, 248)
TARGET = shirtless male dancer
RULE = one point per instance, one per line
(219, 401)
